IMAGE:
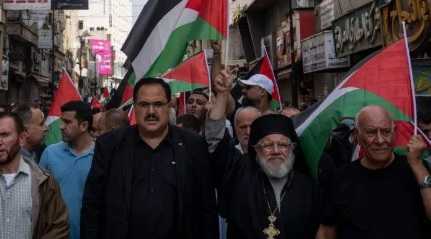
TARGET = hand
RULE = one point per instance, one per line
(223, 82)
(416, 147)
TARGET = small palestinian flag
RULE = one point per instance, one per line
(193, 73)
(124, 91)
(159, 38)
(381, 80)
(66, 92)
(264, 67)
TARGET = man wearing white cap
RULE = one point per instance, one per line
(258, 92)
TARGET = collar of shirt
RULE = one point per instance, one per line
(70, 150)
(23, 167)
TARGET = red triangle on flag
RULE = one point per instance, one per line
(65, 92)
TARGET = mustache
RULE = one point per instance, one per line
(151, 117)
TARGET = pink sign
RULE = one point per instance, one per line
(102, 50)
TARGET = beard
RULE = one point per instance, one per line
(279, 171)
(11, 154)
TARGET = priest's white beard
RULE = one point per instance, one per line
(279, 171)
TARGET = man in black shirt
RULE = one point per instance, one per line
(382, 195)
(151, 180)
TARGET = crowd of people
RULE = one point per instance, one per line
(223, 169)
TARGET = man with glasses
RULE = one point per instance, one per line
(382, 195)
(265, 193)
(151, 180)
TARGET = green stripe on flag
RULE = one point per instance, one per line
(175, 48)
(54, 133)
(314, 137)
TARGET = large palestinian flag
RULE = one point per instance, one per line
(159, 38)
(193, 73)
(381, 80)
(66, 92)
(264, 67)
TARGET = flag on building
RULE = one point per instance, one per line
(159, 38)
(264, 67)
(193, 73)
(381, 80)
(123, 93)
(66, 92)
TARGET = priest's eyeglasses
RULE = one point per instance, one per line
(274, 146)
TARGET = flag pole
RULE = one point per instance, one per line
(412, 85)
(275, 78)
(209, 77)
(226, 56)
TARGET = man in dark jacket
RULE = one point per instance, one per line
(151, 180)
(263, 194)
(31, 204)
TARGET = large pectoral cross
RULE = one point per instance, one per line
(271, 231)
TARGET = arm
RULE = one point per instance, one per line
(92, 202)
(55, 213)
(416, 146)
(326, 232)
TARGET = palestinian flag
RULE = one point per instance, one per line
(264, 67)
(132, 116)
(189, 75)
(66, 92)
(124, 91)
(181, 104)
(383, 80)
(158, 40)
(95, 103)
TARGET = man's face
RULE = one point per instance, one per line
(274, 153)
(152, 109)
(195, 105)
(242, 127)
(253, 93)
(98, 124)
(70, 127)
(36, 129)
(9, 140)
(375, 134)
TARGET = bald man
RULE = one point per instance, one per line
(243, 118)
(382, 195)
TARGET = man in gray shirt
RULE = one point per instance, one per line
(30, 201)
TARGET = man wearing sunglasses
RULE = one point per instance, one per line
(257, 92)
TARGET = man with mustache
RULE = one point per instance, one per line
(152, 180)
(69, 161)
(30, 201)
(264, 194)
(382, 195)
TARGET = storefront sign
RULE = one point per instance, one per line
(326, 13)
(102, 50)
(27, 4)
(4, 77)
(318, 53)
(416, 14)
(302, 4)
(45, 38)
(358, 31)
(71, 4)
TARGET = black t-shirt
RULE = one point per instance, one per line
(153, 210)
(376, 204)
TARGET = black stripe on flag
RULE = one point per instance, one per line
(153, 12)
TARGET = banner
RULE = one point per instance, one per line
(71, 4)
(27, 4)
(102, 50)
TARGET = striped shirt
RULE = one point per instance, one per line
(16, 204)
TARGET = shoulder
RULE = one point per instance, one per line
(188, 136)
(55, 147)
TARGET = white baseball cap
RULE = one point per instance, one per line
(261, 81)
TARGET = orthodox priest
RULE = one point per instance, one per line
(263, 194)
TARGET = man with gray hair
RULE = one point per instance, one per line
(382, 195)
(35, 129)
(243, 118)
